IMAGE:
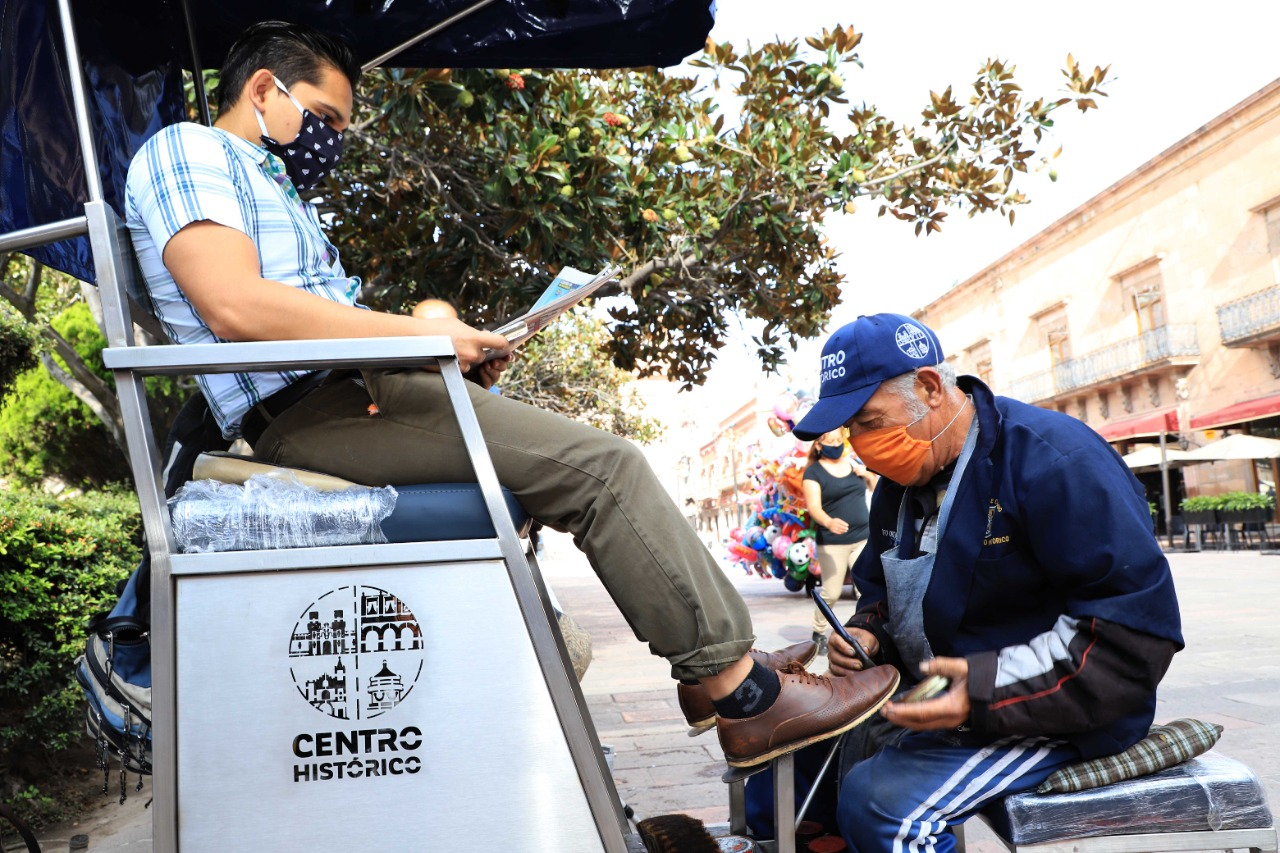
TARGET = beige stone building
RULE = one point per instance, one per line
(724, 486)
(1152, 307)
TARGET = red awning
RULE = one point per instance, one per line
(1146, 425)
(1250, 410)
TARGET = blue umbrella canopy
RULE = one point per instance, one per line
(133, 53)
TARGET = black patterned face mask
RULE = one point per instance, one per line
(314, 152)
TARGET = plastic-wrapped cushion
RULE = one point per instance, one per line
(277, 511)
(1211, 792)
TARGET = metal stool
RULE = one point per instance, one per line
(1207, 803)
(784, 798)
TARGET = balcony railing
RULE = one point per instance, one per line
(1119, 359)
(1250, 317)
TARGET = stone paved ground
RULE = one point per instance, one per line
(1229, 674)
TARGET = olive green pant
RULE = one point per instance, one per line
(568, 476)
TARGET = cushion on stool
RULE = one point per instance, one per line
(1165, 746)
(1211, 792)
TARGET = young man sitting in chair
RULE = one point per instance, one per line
(231, 253)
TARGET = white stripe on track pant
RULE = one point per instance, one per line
(904, 798)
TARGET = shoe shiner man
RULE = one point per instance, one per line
(231, 253)
(1011, 551)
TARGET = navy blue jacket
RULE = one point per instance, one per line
(1048, 579)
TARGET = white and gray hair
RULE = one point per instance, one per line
(904, 385)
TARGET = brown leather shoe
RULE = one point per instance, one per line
(810, 708)
(695, 702)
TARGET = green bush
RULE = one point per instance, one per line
(1201, 503)
(1239, 501)
(45, 430)
(1228, 502)
(17, 350)
(60, 561)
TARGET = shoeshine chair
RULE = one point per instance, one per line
(415, 692)
(486, 730)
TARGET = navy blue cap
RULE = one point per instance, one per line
(857, 358)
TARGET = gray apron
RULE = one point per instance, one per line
(906, 578)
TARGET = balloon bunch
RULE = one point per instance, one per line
(779, 540)
(790, 407)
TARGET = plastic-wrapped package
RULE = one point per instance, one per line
(1208, 793)
(276, 511)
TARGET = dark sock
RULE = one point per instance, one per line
(753, 696)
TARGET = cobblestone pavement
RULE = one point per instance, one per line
(1229, 674)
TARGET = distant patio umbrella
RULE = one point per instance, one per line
(1148, 457)
(1236, 447)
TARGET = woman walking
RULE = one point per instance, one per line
(835, 492)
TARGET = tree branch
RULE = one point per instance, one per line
(451, 203)
(33, 281)
(25, 306)
(84, 395)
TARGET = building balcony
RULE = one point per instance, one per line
(1252, 320)
(1151, 353)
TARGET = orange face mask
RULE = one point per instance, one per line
(892, 453)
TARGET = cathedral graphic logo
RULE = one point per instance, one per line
(356, 652)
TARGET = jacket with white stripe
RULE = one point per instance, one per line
(1048, 579)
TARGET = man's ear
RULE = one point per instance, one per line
(931, 381)
(260, 85)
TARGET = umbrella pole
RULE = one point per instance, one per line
(1164, 481)
(1275, 486)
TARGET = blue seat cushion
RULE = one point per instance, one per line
(430, 512)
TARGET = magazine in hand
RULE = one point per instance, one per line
(570, 287)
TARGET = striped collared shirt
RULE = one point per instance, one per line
(188, 173)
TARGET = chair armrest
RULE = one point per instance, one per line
(278, 355)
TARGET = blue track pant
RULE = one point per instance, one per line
(907, 795)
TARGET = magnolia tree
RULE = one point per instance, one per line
(709, 191)
(478, 185)
(562, 370)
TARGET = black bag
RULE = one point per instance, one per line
(115, 670)
(115, 673)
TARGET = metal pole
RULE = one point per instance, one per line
(81, 107)
(1164, 481)
(1275, 488)
(197, 71)
(447, 22)
(42, 234)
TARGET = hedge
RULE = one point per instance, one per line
(60, 562)
(1228, 502)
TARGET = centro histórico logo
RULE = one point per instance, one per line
(356, 652)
